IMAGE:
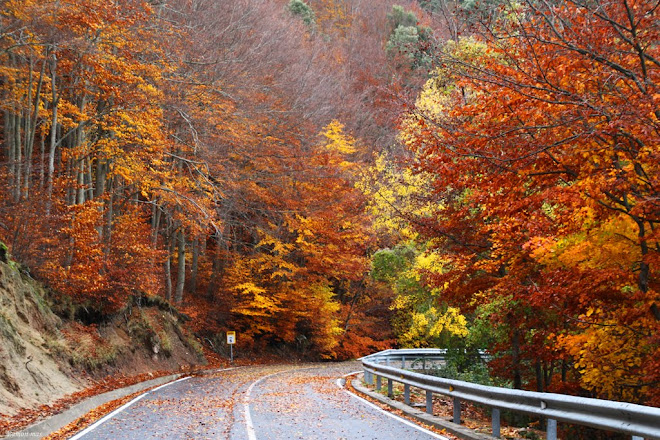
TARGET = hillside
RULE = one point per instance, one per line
(44, 358)
(31, 368)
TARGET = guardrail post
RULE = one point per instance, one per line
(390, 391)
(379, 383)
(368, 378)
(496, 422)
(552, 430)
(406, 394)
(403, 362)
(429, 402)
(457, 410)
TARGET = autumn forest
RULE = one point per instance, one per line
(337, 177)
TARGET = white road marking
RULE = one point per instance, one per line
(246, 407)
(227, 369)
(252, 435)
(387, 413)
(120, 409)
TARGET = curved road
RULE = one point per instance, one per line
(255, 403)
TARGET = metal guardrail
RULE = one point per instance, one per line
(636, 420)
(416, 356)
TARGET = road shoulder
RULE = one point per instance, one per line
(420, 416)
(58, 421)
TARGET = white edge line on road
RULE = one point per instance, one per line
(120, 409)
(387, 413)
(251, 433)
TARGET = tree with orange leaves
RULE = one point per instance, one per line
(85, 94)
(542, 138)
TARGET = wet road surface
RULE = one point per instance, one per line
(255, 403)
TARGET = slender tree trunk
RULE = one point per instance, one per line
(155, 222)
(181, 266)
(547, 377)
(7, 132)
(31, 126)
(13, 140)
(350, 312)
(80, 139)
(80, 187)
(644, 267)
(99, 191)
(169, 239)
(168, 273)
(53, 133)
(101, 176)
(217, 267)
(9, 140)
(42, 162)
(194, 265)
(109, 215)
(70, 191)
(27, 130)
(18, 157)
(539, 376)
(89, 183)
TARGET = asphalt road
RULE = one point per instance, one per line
(255, 403)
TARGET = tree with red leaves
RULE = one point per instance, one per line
(542, 140)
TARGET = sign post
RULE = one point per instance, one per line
(231, 340)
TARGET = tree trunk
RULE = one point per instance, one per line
(101, 176)
(168, 268)
(42, 162)
(18, 159)
(53, 134)
(88, 180)
(80, 139)
(80, 189)
(217, 267)
(181, 267)
(9, 141)
(31, 126)
(194, 265)
(70, 191)
(109, 214)
(644, 267)
(539, 376)
(350, 312)
(547, 377)
(155, 222)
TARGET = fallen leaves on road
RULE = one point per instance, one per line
(91, 417)
(26, 416)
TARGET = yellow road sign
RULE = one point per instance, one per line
(231, 338)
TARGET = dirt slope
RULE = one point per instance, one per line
(29, 335)
(44, 357)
